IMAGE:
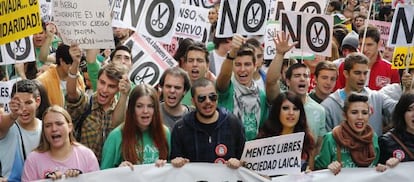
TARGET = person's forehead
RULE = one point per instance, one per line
(359, 67)
(122, 53)
(174, 79)
(195, 53)
(205, 90)
(300, 70)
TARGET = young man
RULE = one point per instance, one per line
(20, 131)
(174, 83)
(326, 74)
(103, 110)
(297, 79)
(238, 92)
(54, 79)
(259, 76)
(218, 55)
(196, 64)
(208, 134)
(356, 73)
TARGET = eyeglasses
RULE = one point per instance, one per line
(211, 96)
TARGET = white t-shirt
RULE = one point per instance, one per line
(218, 61)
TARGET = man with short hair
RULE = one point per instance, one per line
(218, 55)
(20, 131)
(174, 83)
(326, 74)
(208, 134)
(356, 73)
(103, 110)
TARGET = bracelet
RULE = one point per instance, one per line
(73, 75)
(229, 57)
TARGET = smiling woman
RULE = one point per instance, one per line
(58, 153)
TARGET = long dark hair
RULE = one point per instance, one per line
(273, 126)
(398, 119)
(131, 132)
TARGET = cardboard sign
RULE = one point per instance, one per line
(403, 57)
(402, 28)
(149, 60)
(274, 155)
(19, 19)
(5, 93)
(192, 23)
(313, 32)
(306, 6)
(19, 51)
(242, 17)
(87, 23)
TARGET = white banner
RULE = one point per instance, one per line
(19, 51)
(87, 23)
(402, 172)
(402, 28)
(149, 60)
(5, 93)
(274, 155)
(242, 17)
(191, 172)
(192, 23)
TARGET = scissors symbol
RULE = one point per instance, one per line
(18, 48)
(158, 20)
(253, 20)
(317, 39)
(254, 14)
(141, 79)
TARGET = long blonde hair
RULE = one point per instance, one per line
(44, 145)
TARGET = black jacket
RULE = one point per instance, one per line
(190, 141)
(390, 148)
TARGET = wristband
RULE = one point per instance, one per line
(229, 57)
(74, 76)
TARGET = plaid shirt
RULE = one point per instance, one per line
(97, 125)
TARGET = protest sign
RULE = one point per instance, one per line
(5, 93)
(19, 19)
(201, 3)
(192, 172)
(306, 6)
(79, 22)
(46, 10)
(242, 17)
(172, 46)
(403, 57)
(313, 32)
(274, 155)
(396, 2)
(192, 23)
(149, 60)
(402, 28)
(19, 51)
(384, 29)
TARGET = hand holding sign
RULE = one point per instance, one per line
(124, 85)
(75, 52)
(16, 108)
(236, 43)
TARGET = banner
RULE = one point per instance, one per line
(402, 172)
(192, 172)
(274, 155)
(87, 23)
(5, 93)
(402, 57)
(192, 23)
(19, 19)
(242, 17)
(19, 51)
(402, 28)
(149, 60)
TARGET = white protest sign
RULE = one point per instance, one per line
(313, 32)
(242, 17)
(127, 13)
(396, 2)
(87, 23)
(384, 28)
(191, 172)
(149, 60)
(402, 28)
(274, 155)
(5, 93)
(19, 51)
(192, 23)
(201, 3)
(46, 10)
(306, 6)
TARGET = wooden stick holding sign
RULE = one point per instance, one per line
(366, 26)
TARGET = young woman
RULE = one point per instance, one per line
(58, 153)
(353, 143)
(399, 141)
(288, 116)
(143, 138)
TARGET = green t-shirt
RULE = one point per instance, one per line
(111, 153)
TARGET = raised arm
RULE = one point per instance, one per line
(93, 66)
(275, 67)
(45, 48)
(72, 93)
(223, 79)
(7, 120)
(118, 115)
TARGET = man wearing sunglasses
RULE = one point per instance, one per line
(208, 134)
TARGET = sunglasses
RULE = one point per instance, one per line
(211, 96)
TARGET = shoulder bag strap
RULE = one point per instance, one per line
(402, 145)
(21, 138)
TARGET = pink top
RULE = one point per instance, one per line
(37, 164)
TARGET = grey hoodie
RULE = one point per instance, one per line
(382, 106)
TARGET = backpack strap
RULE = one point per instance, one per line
(22, 142)
(402, 145)
(82, 118)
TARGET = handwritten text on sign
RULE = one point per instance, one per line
(274, 155)
(79, 22)
(19, 19)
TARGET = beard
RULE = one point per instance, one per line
(206, 116)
